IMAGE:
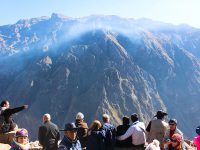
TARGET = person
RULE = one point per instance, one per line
(121, 129)
(6, 113)
(82, 129)
(20, 141)
(70, 141)
(176, 143)
(110, 132)
(48, 134)
(8, 123)
(172, 130)
(153, 145)
(156, 128)
(137, 132)
(96, 137)
(197, 138)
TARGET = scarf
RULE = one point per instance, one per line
(19, 146)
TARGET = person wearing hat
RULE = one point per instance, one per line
(20, 141)
(137, 132)
(82, 129)
(70, 141)
(197, 138)
(48, 134)
(156, 128)
(176, 143)
(172, 130)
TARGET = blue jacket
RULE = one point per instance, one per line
(110, 136)
(67, 144)
(96, 140)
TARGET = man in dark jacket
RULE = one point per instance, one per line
(6, 112)
(110, 132)
(121, 130)
(82, 129)
(48, 134)
(70, 141)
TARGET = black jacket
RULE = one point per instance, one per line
(82, 132)
(67, 144)
(48, 136)
(96, 140)
(7, 113)
(121, 130)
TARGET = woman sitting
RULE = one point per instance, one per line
(176, 143)
(20, 141)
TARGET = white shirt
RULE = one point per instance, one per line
(137, 131)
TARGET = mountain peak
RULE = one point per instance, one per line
(56, 16)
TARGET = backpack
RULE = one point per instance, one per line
(110, 136)
(4, 127)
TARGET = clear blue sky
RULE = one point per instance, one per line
(170, 11)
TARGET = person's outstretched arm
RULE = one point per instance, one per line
(11, 111)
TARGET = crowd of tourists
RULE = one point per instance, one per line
(100, 135)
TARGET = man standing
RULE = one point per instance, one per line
(156, 128)
(137, 132)
(70, 141)
(110, 132)
(48, 134)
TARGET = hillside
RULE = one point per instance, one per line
(100, 64)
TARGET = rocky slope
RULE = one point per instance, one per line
(100, 64)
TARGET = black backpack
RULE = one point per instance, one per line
(4, 127)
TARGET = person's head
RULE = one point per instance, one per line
(96, 125)
(5, 104)
(46, 117)
(155, 145)
(176, 140)
(134, 117)
(106, 118)
(160, 114)
(172, 124)
(125, 120)
(79, 116)
(70, 131)
(198, 130)
(21, 136)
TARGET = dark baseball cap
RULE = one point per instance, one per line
(70, 127)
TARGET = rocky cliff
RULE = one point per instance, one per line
(99, 64)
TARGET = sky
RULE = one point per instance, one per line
(169, 11)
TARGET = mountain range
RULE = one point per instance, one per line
(100, 64)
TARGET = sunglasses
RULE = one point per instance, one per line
(173, 140)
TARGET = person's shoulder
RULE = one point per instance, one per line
(165, 123)
(43, 126)
(179, 131)
(62, 147)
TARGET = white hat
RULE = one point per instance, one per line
(79, 116)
